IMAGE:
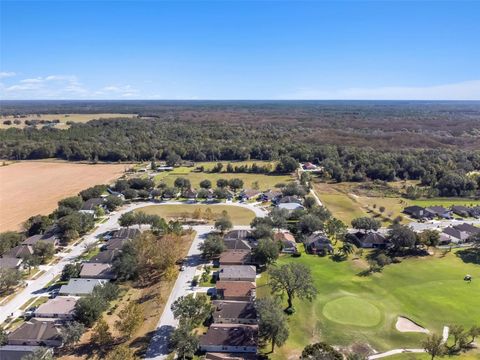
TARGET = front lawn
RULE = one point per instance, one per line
(356, 309)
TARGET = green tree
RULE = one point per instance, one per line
(72, 202)
(401, 236)
(192, 310)
(101, 333)
(235, 184)
(44, 251)
(273, 325)
(39, 354)
(182, 183)
(279, 218)
(9, 278)
(131, 317)
(223, 224)
(335, 229)
(347, 248)
(366, 223)
(205, 184)
(3, 336)
(88, 309)
(434, 346)
(309, 223)
(72, 332)
(184, 342)
(287, 164)
(212, 247)
(9, 240)
(222, 183)
(320, 351)
(429, 237)
(294, 280)
(128, 219)
(71, 270)
(262, 230)
(266, 252)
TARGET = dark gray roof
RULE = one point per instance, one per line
(234, 310)
(17, 352)
(116, 243)
(48, 238)
(230, 335)
(20, 251)
(105, 256)
(36, 330)
(126, 233)
(318, 238)
(237, 245)
(91, 204)
(237, 271)
(371, 238)
(440, 210)
(289, 199)
(468, 228)
(238, 234)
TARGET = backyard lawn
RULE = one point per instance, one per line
(238, 215)
(363, 309)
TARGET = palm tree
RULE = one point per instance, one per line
(347, 248)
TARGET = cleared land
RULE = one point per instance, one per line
(63, 118)
(34, 187)
(264, 181)
(352, 309)
(238, 215)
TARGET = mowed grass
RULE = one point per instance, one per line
(446, 202)
(264, 181)
(356, 309)
(237, 214)
(471, 355)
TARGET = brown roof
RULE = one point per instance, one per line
(60, 305)
(225, 309)
(236, 288)
(284, 235)
(36, 330)
(230, 335)
(95, 270)
(235, 256)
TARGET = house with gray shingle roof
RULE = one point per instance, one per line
(81, 287)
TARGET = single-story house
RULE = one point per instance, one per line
(115, 244)
(81, 287)
(439, 211)
(125, 233)
(10, 263)
(32, 240)
(468, 228)
(97, 271)
(238, 235)
(461, 210)
(235, 257)
(235, 290)
(237, 273)
(271, 195)
(291, 206)
(232, 338)
(19, 352)
(20, 251)
(105, 256)
(91, 205)
(37, 333)
(287, 240)
(227, 356)
(417, 212)
(475, 212)
(370, 240)
(238, 245)
(234, 312)
(190, 194)
(289, 199)
(309, 166)
(318, 243)
(61, 307)
(249, 194)
(455, 235)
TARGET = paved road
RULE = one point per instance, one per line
(36, 287)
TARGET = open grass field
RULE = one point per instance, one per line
(356, 309)
(34, 187)
(238, 215)
(471, 355)
(446, 202)
(64, 118)
(264, 181)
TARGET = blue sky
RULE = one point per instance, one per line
(239, 50)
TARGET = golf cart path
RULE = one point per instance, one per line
(445, 333)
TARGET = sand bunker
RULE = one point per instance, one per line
(406, 325)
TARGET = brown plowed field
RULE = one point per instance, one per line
(34, 187)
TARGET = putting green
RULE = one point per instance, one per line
(351, 310)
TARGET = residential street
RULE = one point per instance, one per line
(34, 287)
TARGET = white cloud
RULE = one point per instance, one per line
(467, 90)
(7, 74)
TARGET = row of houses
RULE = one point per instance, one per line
(432, 212)
(458, 233)
(44, 328)
(233, 335)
